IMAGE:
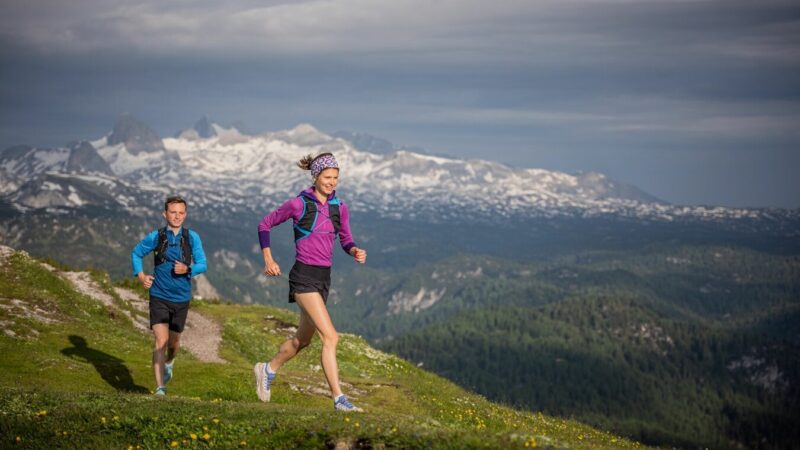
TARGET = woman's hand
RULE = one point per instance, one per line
(359, 254)
(272, 269)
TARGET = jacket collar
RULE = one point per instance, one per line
(309, 193)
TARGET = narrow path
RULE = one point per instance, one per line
(201, 337)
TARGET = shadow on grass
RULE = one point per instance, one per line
(112, 369)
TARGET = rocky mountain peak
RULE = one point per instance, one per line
(205, 128)
(83, 158)
(137, 137)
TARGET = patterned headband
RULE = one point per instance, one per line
(321, 163)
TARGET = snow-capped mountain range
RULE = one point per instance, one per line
(223, 169)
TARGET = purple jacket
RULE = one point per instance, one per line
(317, 248)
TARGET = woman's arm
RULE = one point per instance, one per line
(290, 209)
(346, 237)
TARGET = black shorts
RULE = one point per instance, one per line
(165, 311)
(305, 278)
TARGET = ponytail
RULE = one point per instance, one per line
(305, 162)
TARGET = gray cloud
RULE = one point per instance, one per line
(625, 87)
(604, 30)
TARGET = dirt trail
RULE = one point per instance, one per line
(201, 337)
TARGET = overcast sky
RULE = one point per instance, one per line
(696, 102)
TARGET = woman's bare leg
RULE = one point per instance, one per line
(313, 306)
(293, 345)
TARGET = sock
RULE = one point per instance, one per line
(268, 370)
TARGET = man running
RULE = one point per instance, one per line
(178, 256)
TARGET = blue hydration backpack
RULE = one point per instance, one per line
(305, 226)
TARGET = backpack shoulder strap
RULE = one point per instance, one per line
(160, 252)
(333, 210)
(308, 219)
(186, 247)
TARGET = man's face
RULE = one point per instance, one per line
(175, 214)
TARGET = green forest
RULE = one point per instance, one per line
(691, 346)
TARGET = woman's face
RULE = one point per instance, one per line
(327, 180)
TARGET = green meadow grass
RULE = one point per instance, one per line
(76, 374)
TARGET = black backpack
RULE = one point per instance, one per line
(160, 252)
(305, 226)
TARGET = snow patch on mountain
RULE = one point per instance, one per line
(228, 170)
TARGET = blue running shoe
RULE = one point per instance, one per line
(167, 373)
(161, 391)
(343, 404)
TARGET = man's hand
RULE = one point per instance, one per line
(180, 268)
(359, 254)
(146, 280)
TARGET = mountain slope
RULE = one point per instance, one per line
(225, 169)
(91, 365)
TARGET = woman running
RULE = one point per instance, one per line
(318, 216)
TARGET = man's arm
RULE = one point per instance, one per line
(198, 255)
(142, 249)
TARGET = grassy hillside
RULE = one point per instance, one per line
(75, 373)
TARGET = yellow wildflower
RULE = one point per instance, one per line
(216, 421)
(243, 443)
(173, 444)
(193, 436)
(103, 420)
(206, 436)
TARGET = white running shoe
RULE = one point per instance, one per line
(343, 404)
(263, 381)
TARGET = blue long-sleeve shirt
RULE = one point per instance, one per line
(167, 285)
